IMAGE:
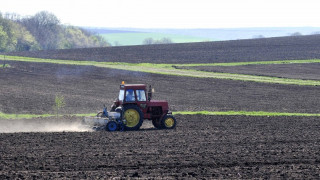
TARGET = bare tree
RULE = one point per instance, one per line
(258, 36)
(296, 34)
(148, 41)
(12, 16)
(45, 27)
(164, 40)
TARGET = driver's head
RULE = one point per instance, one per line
(130, 92)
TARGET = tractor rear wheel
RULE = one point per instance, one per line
(168, 122)
(133, 116)
(156, 123)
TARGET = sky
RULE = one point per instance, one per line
(174, 13)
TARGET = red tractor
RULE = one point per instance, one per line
(134, 105)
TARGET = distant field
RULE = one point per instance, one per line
(295, 71)
(268, 49)
(137, 38)
(168, 69)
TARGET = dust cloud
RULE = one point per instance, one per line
(41, 125)
(147, 125)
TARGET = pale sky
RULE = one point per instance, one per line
(174, 13)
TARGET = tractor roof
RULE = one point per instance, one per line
(133, 86)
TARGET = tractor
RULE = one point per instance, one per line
(134, 105)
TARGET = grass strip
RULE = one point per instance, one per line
(211, 113)
(30, 116)
(254, 63)
(168, 69)
(244, 113)
(23, 116)
(5, 66)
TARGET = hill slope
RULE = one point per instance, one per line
(279, 48)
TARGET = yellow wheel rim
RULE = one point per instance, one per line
(169, 122)
(132, 117)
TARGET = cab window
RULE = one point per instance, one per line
(141, 95)
(130, 95)
(121, 95)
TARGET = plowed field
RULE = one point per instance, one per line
(294, 71)
(268, 49)
(31, 88)
(201, 147)
(212, 147)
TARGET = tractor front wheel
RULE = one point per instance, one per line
(133, 116)
(168, 122)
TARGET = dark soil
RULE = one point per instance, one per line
(295, 71)
(227, 147)
(31, 88)
(212, 147)
(293, 47)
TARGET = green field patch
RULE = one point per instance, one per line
(244, 113)
(22, 116)
(4, 66)
(210, 113)
(169, 69)
(137, 38)
(30, 116)
(253, 63)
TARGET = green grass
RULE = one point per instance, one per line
(211, 113)
(30, 116)
(168, 69)
(244, 113)
(22, 116)
(254, 63)
(138, 38)
(5, 66)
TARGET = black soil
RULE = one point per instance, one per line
(227, 147)
(211, 147)
(306, 71)
(31, 88)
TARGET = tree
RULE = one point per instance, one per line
(148, 41)
(3, 39)
(14, 36)
(59, 103)
(258, 37)
(296, 34)
(164, 40)
(74, 37)
(43, 31)
(46, 29)
(25, 40)
(8, 38)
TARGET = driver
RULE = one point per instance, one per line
(130, 95)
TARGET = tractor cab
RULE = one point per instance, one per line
(132, 93)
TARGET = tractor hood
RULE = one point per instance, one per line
(163, 104)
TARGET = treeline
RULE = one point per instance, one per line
(149, 41)
(43, 31)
